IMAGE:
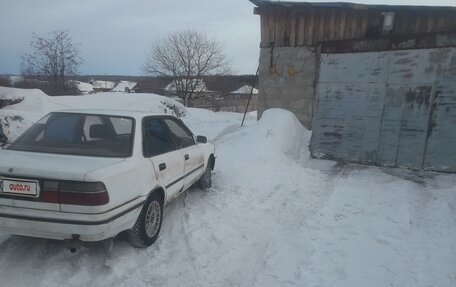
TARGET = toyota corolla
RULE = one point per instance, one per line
(91, 174)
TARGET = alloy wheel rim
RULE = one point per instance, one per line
(153, 218)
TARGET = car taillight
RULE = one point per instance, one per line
(50, 192)
(75, 193)
(83, 193)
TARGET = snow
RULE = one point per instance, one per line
(274, 217)
(123, 85)
(16, 118)
(246, 89)
(11, 94)
(36, 104)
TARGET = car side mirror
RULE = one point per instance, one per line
(201, 139)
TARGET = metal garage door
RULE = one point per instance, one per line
(393, 108)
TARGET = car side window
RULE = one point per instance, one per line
(181, 135)
(156, 138)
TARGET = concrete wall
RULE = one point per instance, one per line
(287, 80)
(391, 108)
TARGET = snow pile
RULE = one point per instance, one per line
(209, 123)
(10, 95)
(36, 104)
(14, 119)
(277, 134)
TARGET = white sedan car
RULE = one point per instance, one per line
(91, 174)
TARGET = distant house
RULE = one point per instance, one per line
(126, 87)
(197, 85)
(244, 91)
(154, 85)
(237, 100)
(201, 96)
(216, 92)
(102, 86)
(84, 88)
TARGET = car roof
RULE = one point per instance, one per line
(114, 112)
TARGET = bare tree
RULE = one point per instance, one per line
(55, 57)
(187, 56)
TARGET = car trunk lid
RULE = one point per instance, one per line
(23, 168)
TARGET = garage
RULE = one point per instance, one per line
(388, 108)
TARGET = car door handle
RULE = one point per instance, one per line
(162, 166)
(187, 157)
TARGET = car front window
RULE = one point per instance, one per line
(183, 137)
(79, 134)
(157, 139)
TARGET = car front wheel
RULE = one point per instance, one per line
(148, 225)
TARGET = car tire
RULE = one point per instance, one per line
(205, 180)
(147, 227)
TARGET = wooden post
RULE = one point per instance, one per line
(250, 97)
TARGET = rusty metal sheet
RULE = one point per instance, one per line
(395, 108)
(354, 68)
(441, 144)
(414, 126)
(391, 125)
(352, 122)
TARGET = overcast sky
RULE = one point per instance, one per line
(116, 35)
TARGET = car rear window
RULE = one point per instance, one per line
(79, 134)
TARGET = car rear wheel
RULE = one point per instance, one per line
(148, 225)
(205, 180)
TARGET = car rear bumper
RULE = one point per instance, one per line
(58, 225)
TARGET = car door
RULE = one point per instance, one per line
(161, 149)
(191, 152)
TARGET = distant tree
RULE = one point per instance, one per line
(4, 82)
(54, 58)
(187, 56)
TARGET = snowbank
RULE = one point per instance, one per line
(209, 123)
(16, 118)
(11, 94)
(36, 104)
(278, 133)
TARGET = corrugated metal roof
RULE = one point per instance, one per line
(345, 5)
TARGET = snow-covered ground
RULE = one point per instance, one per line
(274, 217)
